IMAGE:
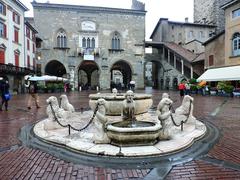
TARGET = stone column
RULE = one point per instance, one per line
(191, 72)
(182, 66)
(72, 76)
(175, 58)
(168, 56)
(163, 54)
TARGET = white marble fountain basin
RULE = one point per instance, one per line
(180, 140)
(142, 101)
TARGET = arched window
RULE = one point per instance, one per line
(93, 43)
(116, 41)
(88, 43)
(61, 39)
(84, 42)
(236, 44)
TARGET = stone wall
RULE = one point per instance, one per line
(209, 12)
(215, 48)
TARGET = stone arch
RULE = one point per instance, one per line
(175, 83)
(157, 73)
(126, 70)
(167, 83)
(88, 75)
(55, 68)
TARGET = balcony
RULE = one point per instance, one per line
(88, 51)
(11, 69)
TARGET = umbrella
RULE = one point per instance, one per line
(45, 78)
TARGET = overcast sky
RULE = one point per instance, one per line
(175, 10)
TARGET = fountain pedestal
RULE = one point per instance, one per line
(137, 133)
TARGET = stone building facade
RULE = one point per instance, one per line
(190, 35)
(209, 12)
(177, 51)
(214, 51)
(13, 57)
(224, 49)
(89, 44)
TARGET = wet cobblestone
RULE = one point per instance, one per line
(19, 162)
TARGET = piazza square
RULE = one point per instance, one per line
(119, 90)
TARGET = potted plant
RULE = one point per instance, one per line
(193, 89)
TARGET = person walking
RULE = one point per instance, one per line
(181, 88)
(188, 88)
(32, 89)
(4, 86)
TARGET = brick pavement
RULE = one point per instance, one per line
(25, 163)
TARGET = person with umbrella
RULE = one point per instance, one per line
(32, 90)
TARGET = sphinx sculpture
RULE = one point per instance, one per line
(100, 137)
(163, 112)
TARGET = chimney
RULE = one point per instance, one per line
(186, 20)
(204, 20)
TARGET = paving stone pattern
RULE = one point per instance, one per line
(19, 162)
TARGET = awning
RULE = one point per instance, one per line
(221, 74)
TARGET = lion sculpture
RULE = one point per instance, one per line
(185, 111)
(65, 104)
(54, 112)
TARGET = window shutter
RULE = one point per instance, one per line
(211, 59)
(18, 19)
(16, 60)
(2, 56)
(28, 45)
(16, 35)
(4, 10)
(28, 61)
(5, 30)
(13, 17)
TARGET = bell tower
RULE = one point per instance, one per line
(209, 12)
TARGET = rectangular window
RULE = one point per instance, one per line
(33, 48)
(210, 60)
(27, 32)
(2, 56)
(33, 36)
(3, 30)
(236, 13)
(28, 45)
(16, 35)
(34, 63)
(16, 18)
(16, 59)
(28, 61)
(235, 44)
(2, 8)
(190, 34)
(201, 35)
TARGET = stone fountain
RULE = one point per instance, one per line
(121, 124)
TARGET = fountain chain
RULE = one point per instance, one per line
(183, 121)
(69, 125)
